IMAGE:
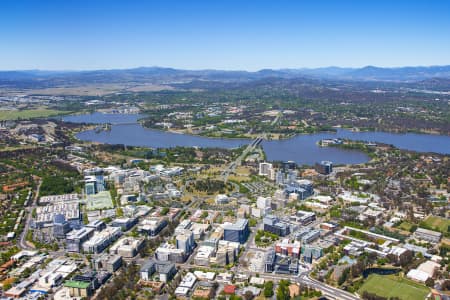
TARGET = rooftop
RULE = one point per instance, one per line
(77, 284)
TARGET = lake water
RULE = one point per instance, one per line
(301, 148)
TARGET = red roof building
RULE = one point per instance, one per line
(229, 289)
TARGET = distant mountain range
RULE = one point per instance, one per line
(158, 75)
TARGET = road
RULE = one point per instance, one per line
(238, 161)
(22, 242)
(303, 279)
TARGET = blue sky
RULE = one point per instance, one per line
(244, 35)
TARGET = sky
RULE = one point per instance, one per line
(227, 34)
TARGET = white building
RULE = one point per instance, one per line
(222, 199)
(265, 169)
(263, 202)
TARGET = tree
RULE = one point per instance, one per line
(429, 282)
(344, 276)
(283, 290)
(248, 295)
(268, 289)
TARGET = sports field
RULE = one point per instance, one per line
(439, 223)
(101, 200)
(393, 286)
(28, 114)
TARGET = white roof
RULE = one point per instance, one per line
(429, 267)
(417, 275)
(181, 290)
(256, 280)
(188, 280)
(205, 275)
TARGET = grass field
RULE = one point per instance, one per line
(101, 200)
(438, 223)
(394, 286)
(28, 114)
(405, 226)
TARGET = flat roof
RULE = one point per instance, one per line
(77, 284)
(427, 231)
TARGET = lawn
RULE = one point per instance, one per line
(28, 114)
(393, 286)
(405, 226)
(438, 223)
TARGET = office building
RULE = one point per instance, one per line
(79, 289)
(222, 199)
(90, 185)
(237, 232)
(304, 217)
(269, 261)
(166, 270)
(185, 241)
(88, 277)
(263, 202)
(76, 238)
(125, 224)
(310, 236)
(188, 281)
(169, 252)
(303, 187)
(265, 169)
(127, 247)
(45, 215)
(152, 226)
(203, 255)
(427, 235)
(101, 240)
(60, 226)
(274, 225)
(310, 253)
(289, 165)
(147, 270)
(288, 249)
(110, 263)
(98, 225)
(324, 167)
(185, 224)
(279, 177)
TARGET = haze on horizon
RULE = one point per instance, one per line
(100, 34)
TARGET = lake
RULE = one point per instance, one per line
(301, 148)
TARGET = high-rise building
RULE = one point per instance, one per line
(279, 177)
(324, 167)
(237, 232)
(90, 185)
(185, 241)
(263, 202)
(303, 187)
(265, 168)
(60, 226)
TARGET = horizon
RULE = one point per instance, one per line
(223, 70)
(250, 36)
